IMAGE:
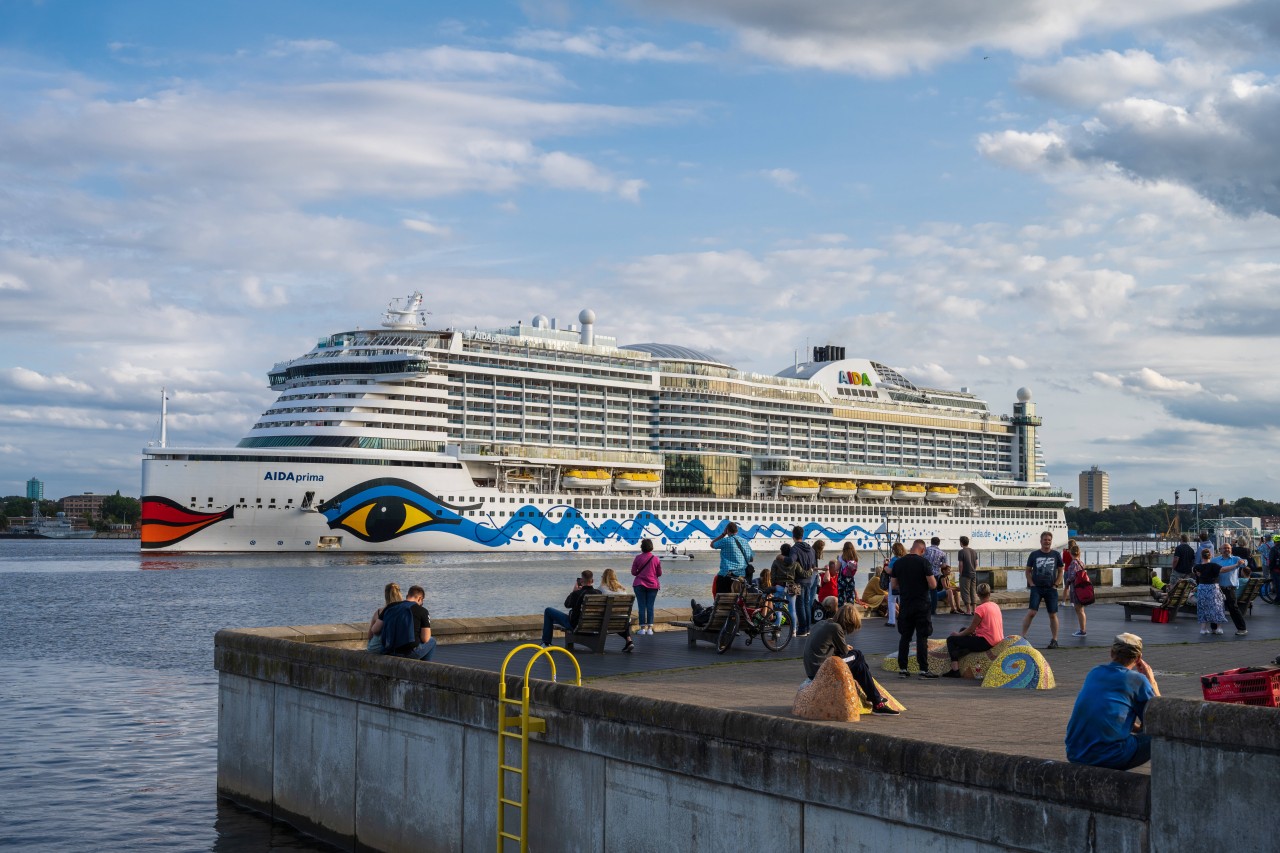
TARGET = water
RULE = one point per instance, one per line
(108, 696)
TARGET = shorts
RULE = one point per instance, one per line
(1048, 594)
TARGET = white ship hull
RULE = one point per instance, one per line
(253, 506)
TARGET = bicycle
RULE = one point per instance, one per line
(1267, 592)
(770, 621)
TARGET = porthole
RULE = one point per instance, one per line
(253, 541)
(279, 541)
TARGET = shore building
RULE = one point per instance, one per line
(1095, 489)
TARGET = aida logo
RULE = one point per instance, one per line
(290, 477)
(849, 377)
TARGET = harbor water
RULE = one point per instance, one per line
(108, 696)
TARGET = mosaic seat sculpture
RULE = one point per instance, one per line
(834, 695)
(1010, 663)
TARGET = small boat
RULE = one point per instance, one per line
(942, 493)
(672, 554)
(575, 478)
(838, 489)
(877, 491)
(636, 481)
(799, 488)
(908, 492)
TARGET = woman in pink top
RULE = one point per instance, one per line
(985, 631)
(646, 569)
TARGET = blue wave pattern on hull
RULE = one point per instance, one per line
(388, 508)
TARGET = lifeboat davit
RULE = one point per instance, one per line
(943, 494)
(838, 489)
(637, 481)
(799, 488)
(589, 479)
(908, 492)
(877, 491)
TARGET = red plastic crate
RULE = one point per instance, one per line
(1251, 685)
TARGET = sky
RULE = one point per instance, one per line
(1079, 198)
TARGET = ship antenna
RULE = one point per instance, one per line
(164, 417)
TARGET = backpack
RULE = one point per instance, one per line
(1083, 587)
(397, 627)
(1045, 572)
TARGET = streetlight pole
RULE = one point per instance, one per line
(1197, 491)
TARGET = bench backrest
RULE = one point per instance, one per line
(1249, 591)
(610, 613)
(1179, 594)
(721, 609)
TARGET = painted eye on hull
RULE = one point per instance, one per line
(386, 509)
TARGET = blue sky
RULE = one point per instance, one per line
(1078, 199)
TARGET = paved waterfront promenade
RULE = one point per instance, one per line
(955, 712)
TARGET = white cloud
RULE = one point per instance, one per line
(1092, 79)
(424, 227)
(880, 39)
(784, 179)
(611, 43)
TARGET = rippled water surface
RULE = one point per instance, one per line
(108, 697)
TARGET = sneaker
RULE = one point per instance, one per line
(883, 708)
(803, 634)
(1242, 633)
(951, 673)
(930, 675)
(629, 647)
(902, 673)
(1080, 633)
(1053, 644)
(1217, 631)
(1204, 631)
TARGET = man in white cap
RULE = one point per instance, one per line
(1103, 727)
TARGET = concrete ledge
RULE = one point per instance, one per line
(1216, 724)
(675, 737)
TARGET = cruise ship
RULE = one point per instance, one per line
(552, 438)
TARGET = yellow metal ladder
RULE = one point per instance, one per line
(519, 727)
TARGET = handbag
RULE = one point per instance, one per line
(793, 588)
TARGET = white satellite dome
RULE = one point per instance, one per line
(1024, 395)
(586, 316)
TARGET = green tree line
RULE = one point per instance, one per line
(116, 509)
(1131, 519)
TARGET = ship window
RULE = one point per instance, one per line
(259, 500)
(273, 500)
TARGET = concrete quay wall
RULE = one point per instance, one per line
(376, 753)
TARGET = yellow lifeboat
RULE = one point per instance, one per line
(637, 481)
(575, 478)
(838, 489)
(876, 491)
(799, 488)
(908, 492)
(943, 494)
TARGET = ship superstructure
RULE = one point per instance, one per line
(536, 437)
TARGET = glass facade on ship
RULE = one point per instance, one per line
(565, 417)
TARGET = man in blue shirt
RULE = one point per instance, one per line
(735, 554)
(1113, 698)
(1228, 580)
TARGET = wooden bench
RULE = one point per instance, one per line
(601, 616)
(723, 606)
(1247, 593)
(1178, 595)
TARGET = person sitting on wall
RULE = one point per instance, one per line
(551, 617)
(405, 627)
(1108, 711)
(828, 637)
